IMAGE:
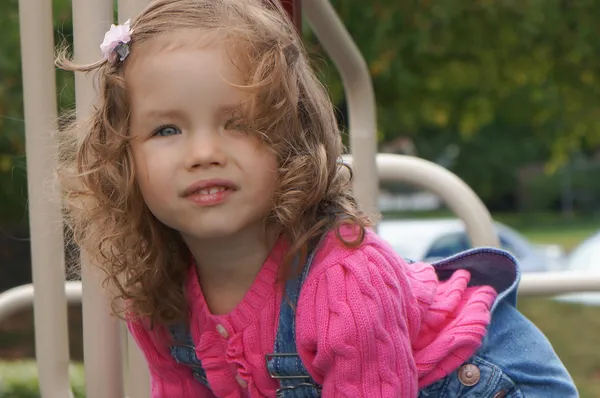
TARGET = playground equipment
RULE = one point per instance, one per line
(113, 365)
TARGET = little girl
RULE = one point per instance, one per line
(208, 188)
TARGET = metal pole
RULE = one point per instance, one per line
(138, 383)
(561, 282)
(17, 299)
(45, 220)
(459, 197)
(136, 375)
(102, 343)
(130, 8)
(359, 95)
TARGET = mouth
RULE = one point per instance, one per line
(210, 191)
(209, 187)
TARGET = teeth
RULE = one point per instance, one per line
(211, 191)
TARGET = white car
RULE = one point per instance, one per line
(432, 239)
(584, 258)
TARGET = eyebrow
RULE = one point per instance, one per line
(174, 113)
(160, 113)
(238, 106)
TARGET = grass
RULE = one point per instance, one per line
(18, 379)
(553, 229)
(567, 239)
(572, 329)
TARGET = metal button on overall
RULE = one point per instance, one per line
(500, 394)
(469, 375)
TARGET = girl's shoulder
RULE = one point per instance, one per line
(368, 268)
(372, 254)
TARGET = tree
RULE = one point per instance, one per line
(12, 145)
(13, 173)
(510, 82)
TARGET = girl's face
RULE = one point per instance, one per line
(199, 172)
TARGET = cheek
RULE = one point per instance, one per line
(146, 177)
(141, 172)
(260, 163)
(271, 174)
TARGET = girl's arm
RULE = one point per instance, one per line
(354, 327)
(169, 379)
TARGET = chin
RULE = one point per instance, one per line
(218, 225)
(216, 230)
(212, 233)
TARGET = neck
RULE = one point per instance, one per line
(234, 260)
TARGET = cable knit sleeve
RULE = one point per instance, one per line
(355, 326)
(168, 378)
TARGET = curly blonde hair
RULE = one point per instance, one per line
(146, 261)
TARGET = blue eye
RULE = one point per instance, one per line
(165, 131)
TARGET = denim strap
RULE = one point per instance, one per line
(284, 364)
(184, 352)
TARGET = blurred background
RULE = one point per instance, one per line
(504, 93)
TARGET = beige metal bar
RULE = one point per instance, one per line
(128, 384)
(130, 8)
(360, 96)
(102, 345)
(138, 380)
(136, 375)
(39, 92)
(19, 298)
(550, 283)
(459, 197)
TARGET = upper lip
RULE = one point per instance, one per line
(204, 184)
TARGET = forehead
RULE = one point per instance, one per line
(184, 65)
(175, 39)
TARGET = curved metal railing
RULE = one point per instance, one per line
(113, 365)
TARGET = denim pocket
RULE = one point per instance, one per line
(477, 378)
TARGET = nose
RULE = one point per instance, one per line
(205, 149)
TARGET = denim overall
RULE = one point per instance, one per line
(515, 360)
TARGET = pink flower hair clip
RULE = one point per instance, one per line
(116, 42)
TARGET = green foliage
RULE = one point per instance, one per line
(13, 168)
(19, 379)
(12, 144)
(546, 191)
(460, 66)
(509, 82)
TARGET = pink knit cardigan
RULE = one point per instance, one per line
(368, 325)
